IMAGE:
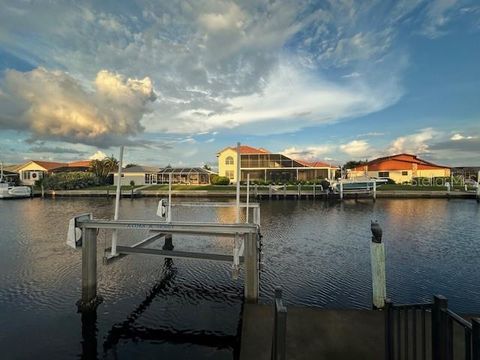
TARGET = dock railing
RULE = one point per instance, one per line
(279, 327)
(409, 334)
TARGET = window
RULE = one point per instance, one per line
(229, 160)
(404, 173)
(383, 174)
(229, 174)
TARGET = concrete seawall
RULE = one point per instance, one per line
(387, 194)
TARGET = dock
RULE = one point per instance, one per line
(314, 333)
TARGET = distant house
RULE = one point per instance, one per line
(263, 165)
(34, 170)
(147, 175)
(400, 168)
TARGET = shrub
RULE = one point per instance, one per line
(219, 180)
(70, 181)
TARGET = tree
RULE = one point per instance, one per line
(101, 168)
(130, 165)
(353, 164)
(207, 167)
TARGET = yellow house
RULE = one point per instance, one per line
(35, 170)
(400, 168)
(263, 165)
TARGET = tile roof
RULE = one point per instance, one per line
(245, 149)
(401, 158)
(49, 165)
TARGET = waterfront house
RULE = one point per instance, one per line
(400, 168)
(262, 165)
(147, 175)
(34, 170)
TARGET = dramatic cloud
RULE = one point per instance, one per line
(54, 105)
(308, 153)
(356, 148)
(414, 144)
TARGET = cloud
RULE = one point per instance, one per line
(99, 155)
(55, 150)
(415, 143)
(291, 99)
(307, 153)
(458, 136)
(356, 148)
(53, 105)
(438, 14)
(467, 145)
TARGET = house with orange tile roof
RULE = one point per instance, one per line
(400, 168)
(34, 170)
(262, 165)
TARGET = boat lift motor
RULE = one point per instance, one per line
(162, 209)
(74, 235)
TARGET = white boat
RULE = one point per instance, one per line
(8, 191)
(363, 184)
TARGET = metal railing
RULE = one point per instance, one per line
(409, 334)
(279, 327)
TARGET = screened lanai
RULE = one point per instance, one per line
(193, 176)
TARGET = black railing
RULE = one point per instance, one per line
(279, 327)
(427, 331)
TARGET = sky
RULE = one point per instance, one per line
(177, 81)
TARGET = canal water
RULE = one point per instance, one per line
(188, 309)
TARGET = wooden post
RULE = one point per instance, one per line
(314, 190)
(341, 189)
(270, 191)
(389, 330)
(239, 177)
(374, 190)
(168, 242)
(299, 194)
(43, 191)
(377, 252)
(89, 298)
(476, 339)
(478, 187)
(439, 328)
(280, 327)
(251, 268)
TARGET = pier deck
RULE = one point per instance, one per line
(315, 333)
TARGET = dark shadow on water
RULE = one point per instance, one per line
(127, 330)
(89, 336)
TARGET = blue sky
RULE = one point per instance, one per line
(177, 81)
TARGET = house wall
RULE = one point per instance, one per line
(398, 177)
(139, 179)
(36, 173)
(223, 167)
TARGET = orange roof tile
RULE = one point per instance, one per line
(48, 165)
(81, 163)
(398, 162)
(245, 149)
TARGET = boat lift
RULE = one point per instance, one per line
(246, 243)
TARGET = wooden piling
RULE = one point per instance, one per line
(379, 284)
(89, 299)
(251, 268)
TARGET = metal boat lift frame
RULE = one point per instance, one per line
(83, 231)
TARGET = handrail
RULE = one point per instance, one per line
(461, 321)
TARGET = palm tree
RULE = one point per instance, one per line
(102, 168)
